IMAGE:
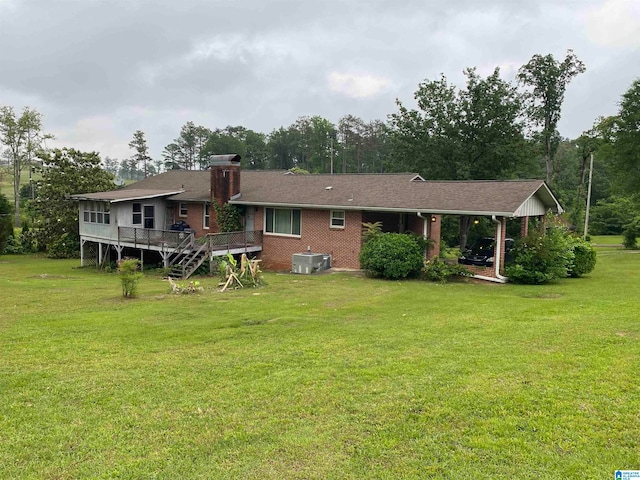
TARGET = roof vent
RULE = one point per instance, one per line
(328, 188)
(418, 178)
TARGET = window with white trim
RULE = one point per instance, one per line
(137, 213)
(207, 216)
(149, 216)
(97, 212)
(282, 221)
(337, 218)
(182, 209)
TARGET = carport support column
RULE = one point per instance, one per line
(435, 227)
(503, 235)
(524, 227)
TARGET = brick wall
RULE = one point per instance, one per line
(343, 244)
(194, 218)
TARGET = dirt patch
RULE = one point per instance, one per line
(50, 277)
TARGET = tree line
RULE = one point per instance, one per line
(489, 128)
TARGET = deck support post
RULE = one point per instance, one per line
(82, 242)
(165, 258)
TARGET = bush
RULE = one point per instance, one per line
(65, 246)
(631, 233)
(437, 270)
(6, 223)
(584, 260)
(129, 276)
(540, 258)
(392, 256)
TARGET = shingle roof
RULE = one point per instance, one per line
(390, 192)
(193, 185)
(123, 195)
(402, 192)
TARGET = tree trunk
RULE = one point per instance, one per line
(547, 159)
(16, 191)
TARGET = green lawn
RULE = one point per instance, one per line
(606, 239)
(327, 376)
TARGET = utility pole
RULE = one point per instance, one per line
(586, 216)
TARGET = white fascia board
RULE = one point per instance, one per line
(143, 197)
(372, 209)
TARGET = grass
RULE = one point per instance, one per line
(328, 376)
(604, 240)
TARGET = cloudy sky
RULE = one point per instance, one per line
(100, 69)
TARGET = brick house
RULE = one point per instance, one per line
(286, 213)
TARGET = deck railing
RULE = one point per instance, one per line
(147, 237)
(230, 240)
(170, 239)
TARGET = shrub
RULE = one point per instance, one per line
(129, 276)
(631, 233)
(584, 259)
(540, 258)
(13, 245)
(65, 246)
(6, 223)
(437, 270)
(392, 256)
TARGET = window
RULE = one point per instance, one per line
(137, 214)
(149, 216)
(207, 216)
(96, 212)
(283, 221)
(182, 208)
(337, 219)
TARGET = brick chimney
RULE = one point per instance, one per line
(225, 177)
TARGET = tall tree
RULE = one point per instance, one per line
(248, 144)
(626, 140)
(111, 165)
(475, 133)
(548, 79)
(141, 156)
(23, 137)
(66, 172)
(188, 150)
(351, 132)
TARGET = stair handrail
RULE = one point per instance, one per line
(193, 257)
(186, 244)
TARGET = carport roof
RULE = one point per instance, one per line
(393, 192)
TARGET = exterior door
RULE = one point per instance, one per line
(248, 218)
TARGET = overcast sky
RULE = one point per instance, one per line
(100, 69)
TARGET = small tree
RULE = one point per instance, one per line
(631, 233)
(392, 256)
(129, 276)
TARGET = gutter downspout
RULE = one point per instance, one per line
(497, 254)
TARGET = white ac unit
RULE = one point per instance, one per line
(307, 262)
